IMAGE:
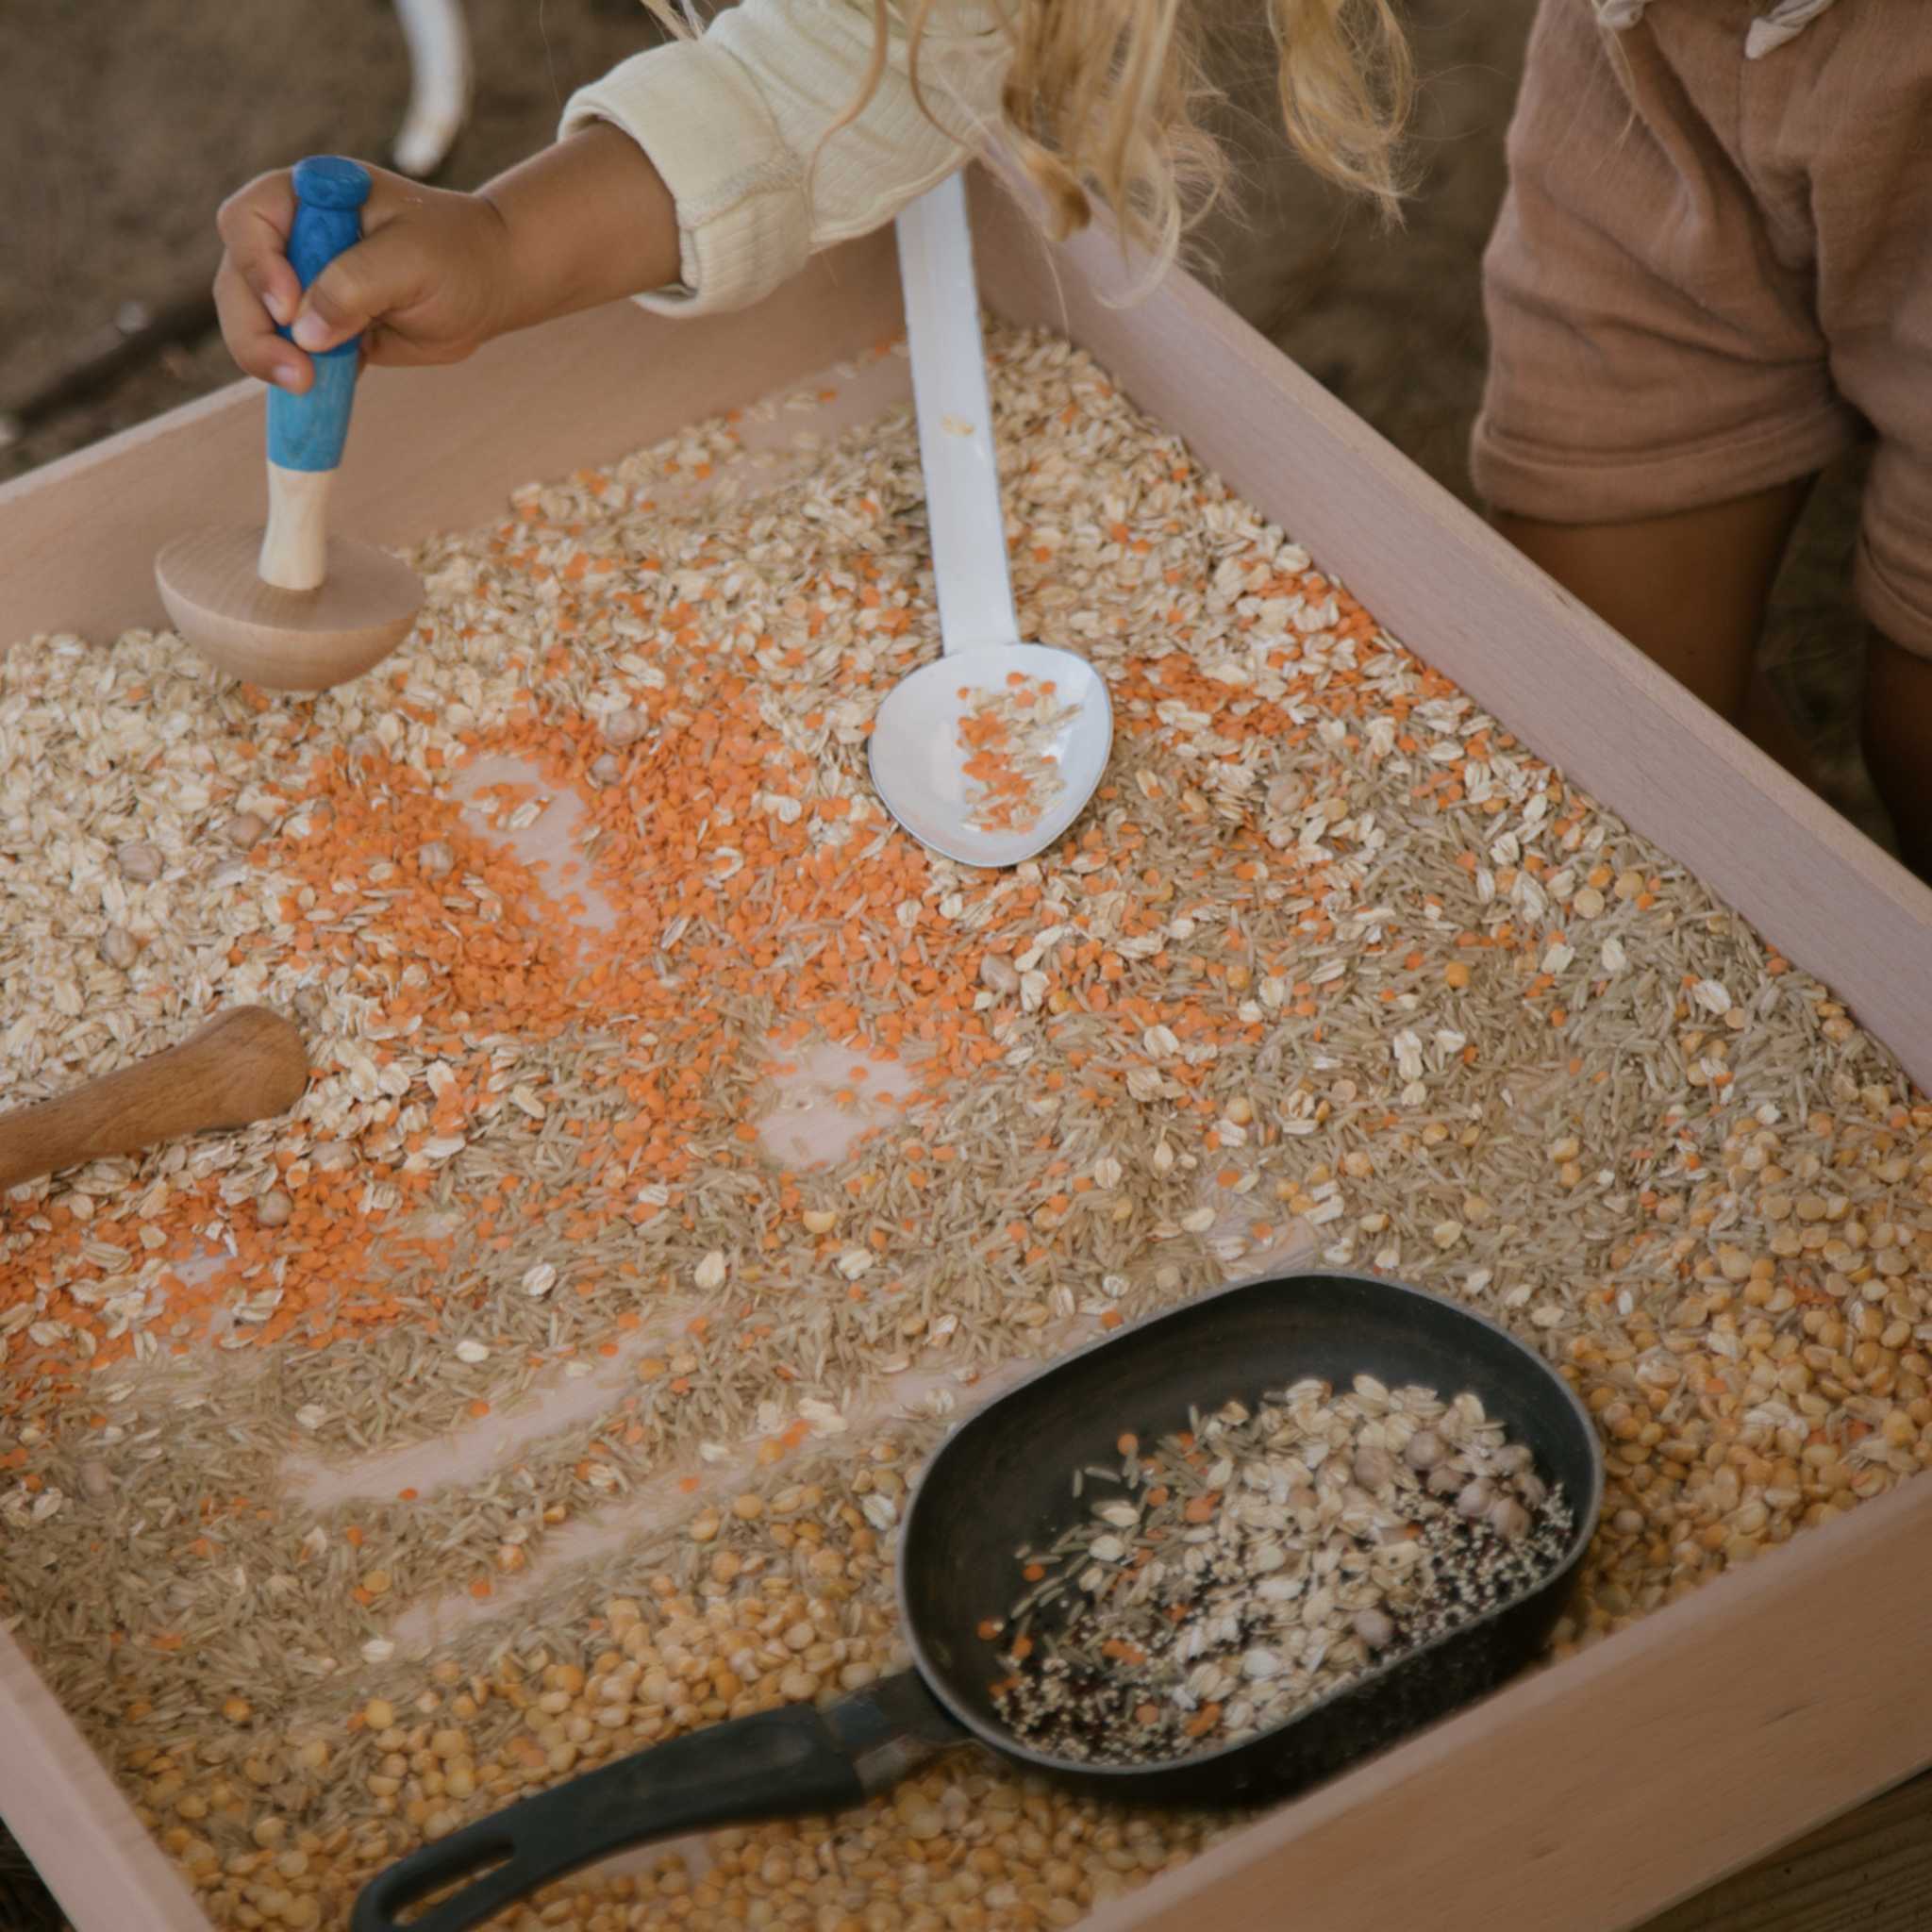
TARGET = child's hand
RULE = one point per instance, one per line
(429, 280)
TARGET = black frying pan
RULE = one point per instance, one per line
(999, 1479)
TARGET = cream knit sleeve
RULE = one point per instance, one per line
(735, 122)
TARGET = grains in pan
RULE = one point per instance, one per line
(1242, 1568)
(1331, 957)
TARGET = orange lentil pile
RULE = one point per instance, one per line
(1330, 958)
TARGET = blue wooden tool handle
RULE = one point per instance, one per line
(307, 433)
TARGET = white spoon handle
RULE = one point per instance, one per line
(955, 442)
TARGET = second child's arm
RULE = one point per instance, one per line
(439, 274)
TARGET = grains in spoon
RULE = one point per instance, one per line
(1010, 737)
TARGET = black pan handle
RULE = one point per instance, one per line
(788, 1763)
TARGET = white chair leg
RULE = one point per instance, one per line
(439, 83)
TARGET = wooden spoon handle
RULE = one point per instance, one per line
(244, 1066)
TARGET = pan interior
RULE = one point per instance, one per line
(1001, 1479)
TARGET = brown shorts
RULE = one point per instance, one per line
(1711, 274)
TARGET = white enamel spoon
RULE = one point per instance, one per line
(918, 755)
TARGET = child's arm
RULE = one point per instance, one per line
(702, 174)
(437, 274)
(790, 126)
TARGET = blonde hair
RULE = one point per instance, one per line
(1108, 98)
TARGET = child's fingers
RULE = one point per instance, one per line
(252, 340)
(254, 224)
(382, 273)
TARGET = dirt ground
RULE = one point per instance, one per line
(122, 126)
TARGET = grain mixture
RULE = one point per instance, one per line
(1258, 1560)
(1330, 951)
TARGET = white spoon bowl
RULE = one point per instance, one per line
(917, 763)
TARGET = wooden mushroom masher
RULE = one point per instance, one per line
(291, 608)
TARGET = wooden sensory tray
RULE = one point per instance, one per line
(1587, 1796)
